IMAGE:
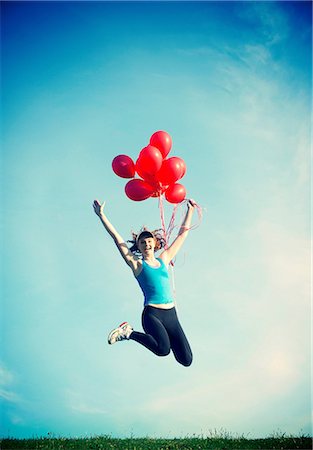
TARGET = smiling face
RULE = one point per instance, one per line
(146, 245)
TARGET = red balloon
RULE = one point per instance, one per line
(162, 141)
(175, 193)
(123, 166)
(138, 190)
(149, 178)
(172, 170)
(149, 162)
(183, 167)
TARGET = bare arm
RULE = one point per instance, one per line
(171, 252)
(128, 256)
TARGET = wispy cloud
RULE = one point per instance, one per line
(271, 21)
(6, 377)
(78, 402)
(286, 259)
(227, 396)
(9, 396)
(6, 380)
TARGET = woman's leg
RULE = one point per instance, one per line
(155, 337)
(178, 341)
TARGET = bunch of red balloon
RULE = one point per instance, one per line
(159, 174)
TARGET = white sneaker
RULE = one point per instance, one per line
(120, 333)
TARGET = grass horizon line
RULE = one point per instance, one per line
(213, 441)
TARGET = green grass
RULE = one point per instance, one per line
(215, 442)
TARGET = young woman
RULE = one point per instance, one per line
(163, 331)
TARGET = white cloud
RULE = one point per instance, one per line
(286, 259)
(16, 419)
(7, 378)
(9, 396)
(272, 22)
(78, 402)
(259, 54)
(227, 397)
(302, 156)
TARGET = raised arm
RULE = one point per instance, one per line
(128, 256)
(172, 250)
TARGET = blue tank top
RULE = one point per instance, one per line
(155, 283)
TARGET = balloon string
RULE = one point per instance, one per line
(173, 285)
(171, 226)
(199, 210)
(166, 235)
(161, 207)
(167, 232)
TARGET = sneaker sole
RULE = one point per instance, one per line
(114, 331)
(110, 336)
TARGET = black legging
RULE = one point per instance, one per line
(163, 333)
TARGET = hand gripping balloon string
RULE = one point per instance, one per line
(199, 210)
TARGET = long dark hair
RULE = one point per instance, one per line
(158, 237)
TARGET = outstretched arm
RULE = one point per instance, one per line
(128, 256)
(172, 250)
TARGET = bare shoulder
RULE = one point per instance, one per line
(164, 257)
(136, 266)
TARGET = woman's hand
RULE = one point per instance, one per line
(98, 207)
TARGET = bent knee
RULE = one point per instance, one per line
(163, 351)
(186, 361)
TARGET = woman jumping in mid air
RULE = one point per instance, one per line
(163, 331)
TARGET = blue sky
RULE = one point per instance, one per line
(84, 82)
